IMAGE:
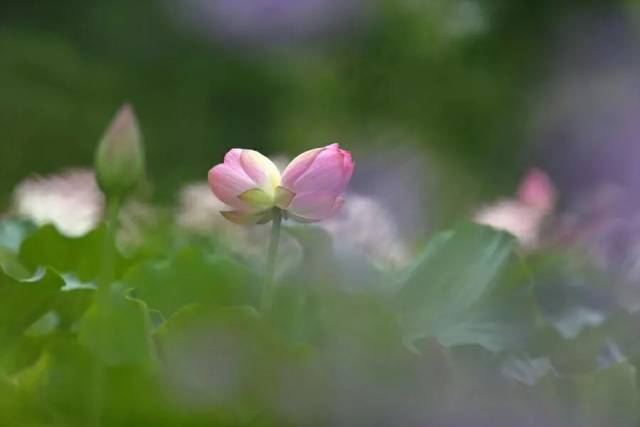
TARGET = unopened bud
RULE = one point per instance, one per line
(119, 159)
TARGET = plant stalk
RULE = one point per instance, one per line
(108, 265)
(104, 280)
(267, 292)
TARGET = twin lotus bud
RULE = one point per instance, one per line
(119, 161)
(310, 188)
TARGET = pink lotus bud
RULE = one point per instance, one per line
(120, 156)
(248, 183)
(536, 190)
(317, 178)
(310, 189)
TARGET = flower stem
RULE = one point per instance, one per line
(272, 254)
(105, 278)
(107, 268)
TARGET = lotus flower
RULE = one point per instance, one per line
(309, 190)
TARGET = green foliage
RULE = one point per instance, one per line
(176, 339)
(77, 256)
(191, 276)
(454, 291)
(25, 301)
(117, 331)
(607, 397)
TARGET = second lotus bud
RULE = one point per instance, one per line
(119, 162)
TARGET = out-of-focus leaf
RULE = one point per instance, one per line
(24, 302)
(608, 397)
(571, 296)
(117, 330)
(13, 232)
(64, 378)
(328, 265)
(527, 370)
(31, 378)
(80, 256)
(71, 306)
(222, 359)
(191, 277)
(44, 326)
(68, 308)
(623, 329)
(594, 348)
(359, 359)
(13, 411)
(454, 291)
(10, 264)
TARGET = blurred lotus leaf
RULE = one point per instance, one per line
(455, 291)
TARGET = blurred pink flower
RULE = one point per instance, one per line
(309, 190)
(523, 216)
(537, 190)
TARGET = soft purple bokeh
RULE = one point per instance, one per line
(400, 177)
(268, 23)
(586, 129)
(586, 134)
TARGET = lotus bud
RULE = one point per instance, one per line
(119, 161)
(317, 179)
(310, 189)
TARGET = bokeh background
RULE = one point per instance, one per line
(520, 114)
(464, 94)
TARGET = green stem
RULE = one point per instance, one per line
(267, 291)
(107, 269)
(105, 277)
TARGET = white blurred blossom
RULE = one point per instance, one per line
(199, 212)
(524, 215)
(71, 201)
(364, 225)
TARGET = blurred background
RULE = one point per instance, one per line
(520, 114)
(430, 95)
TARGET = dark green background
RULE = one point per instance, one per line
(66, 66)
